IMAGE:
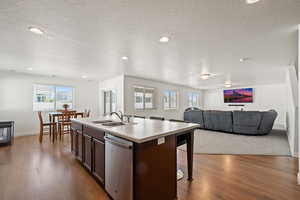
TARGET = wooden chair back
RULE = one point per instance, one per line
(86, 113)
(40, 117)
(68, 115)
(60, 118)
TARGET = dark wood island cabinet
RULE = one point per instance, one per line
(76, 143)
(87, 145)
(153, 155)
(87, 150)
(98, 159)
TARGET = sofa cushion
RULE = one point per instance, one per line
(208, 122)
(194, 116)
(246, 122)
(218, 120)
(267, 121)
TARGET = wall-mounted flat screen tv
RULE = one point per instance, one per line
(243, 95)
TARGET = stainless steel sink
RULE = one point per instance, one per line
(102, 121)
(113, 124)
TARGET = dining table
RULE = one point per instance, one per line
(54, 116)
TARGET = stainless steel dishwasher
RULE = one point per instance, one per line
(118, 168)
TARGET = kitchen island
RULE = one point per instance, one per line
(135, 160)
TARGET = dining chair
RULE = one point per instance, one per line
(137, 116)
(157, 118)
(64, 124)
(86, 113)
(50, 125)
(80, 114)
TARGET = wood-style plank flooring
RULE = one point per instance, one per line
(33, 171)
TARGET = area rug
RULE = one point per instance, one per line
(212, 142)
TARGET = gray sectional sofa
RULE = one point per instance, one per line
(239, 122)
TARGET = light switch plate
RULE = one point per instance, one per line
(160, 140)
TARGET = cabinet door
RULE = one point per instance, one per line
(98, 160)
(87, 158)
(73, 142)
(79, 152)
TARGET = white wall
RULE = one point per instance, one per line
(292, 109)
(160, 87)
(266, 97)
(116, 84)
(16, 100)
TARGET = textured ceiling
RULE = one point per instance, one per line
(89, 37)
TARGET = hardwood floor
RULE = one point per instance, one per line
(33, 171)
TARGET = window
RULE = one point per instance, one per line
(110, 101)
(193, 99)
(51, 97)
(170, 99)
(143, 98)
(64, 95)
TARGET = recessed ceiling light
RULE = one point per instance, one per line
(29, 68)
(228, 85)
(84, 76)
(205, 76)
(244, 59)
(124, 58)
(164, 39)
(252, 1)
(36, 30)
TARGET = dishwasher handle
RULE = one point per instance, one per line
(127, 146)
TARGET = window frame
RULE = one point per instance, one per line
(169, 97)
(55, 86)
(144, 90)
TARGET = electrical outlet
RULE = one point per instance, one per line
(160, 140)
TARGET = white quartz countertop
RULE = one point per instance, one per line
(139, 130)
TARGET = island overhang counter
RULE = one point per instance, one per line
(154, 160)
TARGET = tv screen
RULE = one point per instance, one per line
(244, 95)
